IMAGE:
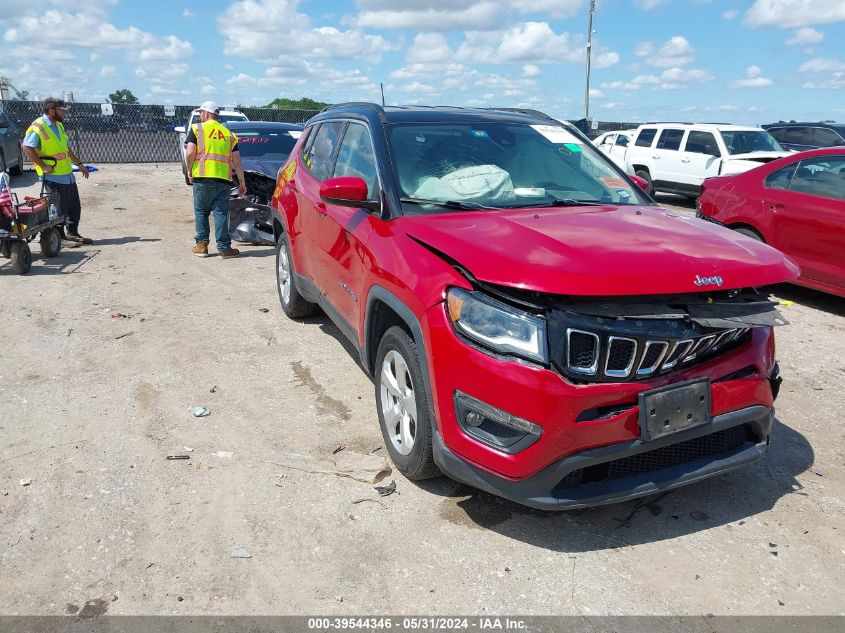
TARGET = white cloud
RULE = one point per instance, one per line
(677, 51)
(806, 36)
(188, 14)
(556, 8)
(643, 49)
(822, 65)
(108, 71)
(753, 79)
(596, 93)
(678, 78)
(530, 70)
(432, 16)
(173, 50)
(830, 73)
(429, 47)
(208, 89)
(788, 14)
(635, 84)
(277, 32)
(648, 5)
(730, 14)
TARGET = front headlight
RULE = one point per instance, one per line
(497, 326)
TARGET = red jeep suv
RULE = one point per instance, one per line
(534, 324)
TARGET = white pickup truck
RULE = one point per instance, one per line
(677, 157)
(182, 130)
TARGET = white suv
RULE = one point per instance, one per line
(677, 157)
(225, 116)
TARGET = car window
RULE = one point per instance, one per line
(498, 164)
(826, 138)
(781, 178)
(318, 155)
(821, 176)
(355, 157)
(645, 137)
(4, 122)
(269, 144)
(622, 141)
(798, 135)
(748, 141)
(778, 132)
(670, 139)
(607, 140)
(702, 143)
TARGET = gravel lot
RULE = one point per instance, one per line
(92, 405)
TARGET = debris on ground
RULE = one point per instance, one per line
(339, 448)
(119, 315)
(200, 412)
(385, 491)
(213, 389)
(265, 310)
(223, 454)
(179, 456)
(241, 552)
(187, 449)
(123, 335)
(365, 468)
(26, 482)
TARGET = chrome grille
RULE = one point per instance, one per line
(601, 356)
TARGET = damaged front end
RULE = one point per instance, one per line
(639, 338)
(250, 216)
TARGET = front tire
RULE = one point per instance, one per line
(754, 235)
(21, 258)
(293, 303)
(402, 403)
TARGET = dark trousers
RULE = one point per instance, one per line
(69, 204)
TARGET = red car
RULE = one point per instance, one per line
(534, 324)
(796, 204)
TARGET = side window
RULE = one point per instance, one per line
(702, 143)
(607, 140)
(780, 179)
(826, 138)
(799, 136)
(355, 157)
(645, 137)
(823, 176)
(670, 139)
(622, 141)
(4, 122)
(318, 153)
(778, 132)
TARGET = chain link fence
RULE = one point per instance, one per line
(144, 133)
(133, 133)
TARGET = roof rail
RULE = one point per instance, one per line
(367, 104)
(687, 123)
(537, 113)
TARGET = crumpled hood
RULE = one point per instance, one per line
(269, 168)
(600, 251)
(759, 157)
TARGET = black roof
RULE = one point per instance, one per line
(836, 126)
(261, 125)
(432, 114)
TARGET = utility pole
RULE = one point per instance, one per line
(589, 55)
(381, 85)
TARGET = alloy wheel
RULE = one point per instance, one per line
(398, 402)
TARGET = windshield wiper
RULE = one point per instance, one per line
(566, 202)
(449, 204)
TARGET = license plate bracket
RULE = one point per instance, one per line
(674, 408)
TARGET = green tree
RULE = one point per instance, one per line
(300, 104)
(124, 95)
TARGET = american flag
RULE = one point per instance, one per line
(5, 196)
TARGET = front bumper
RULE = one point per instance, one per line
(558, 487)
(250, 222)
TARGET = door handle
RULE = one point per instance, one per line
(685, 160)
(321, 209)
(655, 157)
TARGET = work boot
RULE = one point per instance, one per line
(68, 243)
(76, 237)
(229, 253)
(201, 249)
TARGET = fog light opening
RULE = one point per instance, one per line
(494, 427)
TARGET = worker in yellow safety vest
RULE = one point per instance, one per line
(211, 153)
(45, 143)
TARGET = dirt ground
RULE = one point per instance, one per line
(91, 405)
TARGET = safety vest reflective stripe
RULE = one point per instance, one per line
(61, 156)
(214, 151)
(218, 157)
(53, 148)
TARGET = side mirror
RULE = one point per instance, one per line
(180, 129)
(347, 191)
(640, 182)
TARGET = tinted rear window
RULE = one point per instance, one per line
(646, 137)
(670, 139)
(826, 138)
(270, 144)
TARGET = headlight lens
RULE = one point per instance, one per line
(497, 326)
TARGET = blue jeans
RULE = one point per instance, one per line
(212, 197)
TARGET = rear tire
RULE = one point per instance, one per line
(293, 303)
(21, 258)
(5, 249)
(646, 175)
(402, 405)
(754, 235)
(51, 242)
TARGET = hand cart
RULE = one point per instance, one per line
(20, 222)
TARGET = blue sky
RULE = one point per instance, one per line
(742, 61)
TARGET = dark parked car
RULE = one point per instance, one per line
(11, 155)
(804, 136)
(535, 325)
(264, 147)
(797, 205)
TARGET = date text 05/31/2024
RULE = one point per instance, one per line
(416, 623)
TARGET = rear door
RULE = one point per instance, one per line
(341, 233)
(810, 218)
(799, 138)
(699, 159)
(667, 158)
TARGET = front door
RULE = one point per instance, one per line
(700, 159)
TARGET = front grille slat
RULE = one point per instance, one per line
(621, 353)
